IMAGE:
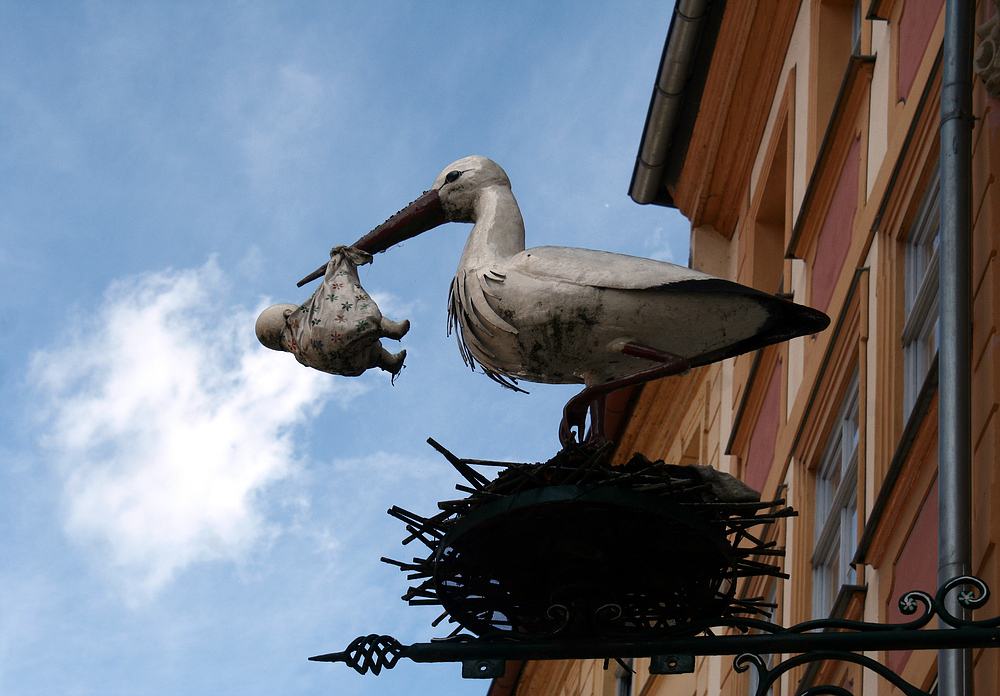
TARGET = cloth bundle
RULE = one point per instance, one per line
(338, 329)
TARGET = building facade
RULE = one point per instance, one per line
(801, 140)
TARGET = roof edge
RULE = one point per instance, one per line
(679, 82)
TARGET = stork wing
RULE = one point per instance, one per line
(602, 269)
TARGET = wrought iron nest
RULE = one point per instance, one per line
(574, 547)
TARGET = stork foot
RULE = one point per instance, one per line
(594, 397)
(575, 417)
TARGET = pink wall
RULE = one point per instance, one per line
(916, 569)
(915, 28)
(835, 237)
(765, 434)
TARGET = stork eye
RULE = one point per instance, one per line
(452, 176)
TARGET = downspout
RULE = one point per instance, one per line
(954, 421)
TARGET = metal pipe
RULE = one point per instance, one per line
(954, 421)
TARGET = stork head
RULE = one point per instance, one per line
(459, 184)
(452, 198)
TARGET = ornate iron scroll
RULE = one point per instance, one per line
(371, 653)
(973, 596)
(767, 677)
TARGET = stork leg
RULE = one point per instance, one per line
(594, 397)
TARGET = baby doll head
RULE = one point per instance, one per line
(271, 325)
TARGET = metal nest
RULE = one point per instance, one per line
(574, 548)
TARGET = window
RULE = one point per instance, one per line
(623, 678)
(856, 15)
(771, 598)
(922, 315)
(837, 506)
(835, 36)
(755, 678)
(768, 242)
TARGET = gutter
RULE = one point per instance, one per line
(676, 65)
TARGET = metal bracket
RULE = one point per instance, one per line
(483, 669)
(673, 650)
(671, 664)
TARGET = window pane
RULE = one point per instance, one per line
(836, 506)
(919, 336)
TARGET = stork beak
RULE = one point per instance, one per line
(421, 215)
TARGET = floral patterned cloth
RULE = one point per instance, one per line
(338, 329)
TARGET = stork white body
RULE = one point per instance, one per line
(561, 315)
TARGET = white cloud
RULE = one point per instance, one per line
(166, 420)
(395, 307)
(659, 244)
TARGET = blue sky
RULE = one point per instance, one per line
(183, 511)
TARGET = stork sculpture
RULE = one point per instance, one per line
(562, 315)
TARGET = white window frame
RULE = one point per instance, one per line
(920, 329)
(623, 678)
(836, 506)
(771, 598)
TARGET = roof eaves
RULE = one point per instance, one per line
(684, 65)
